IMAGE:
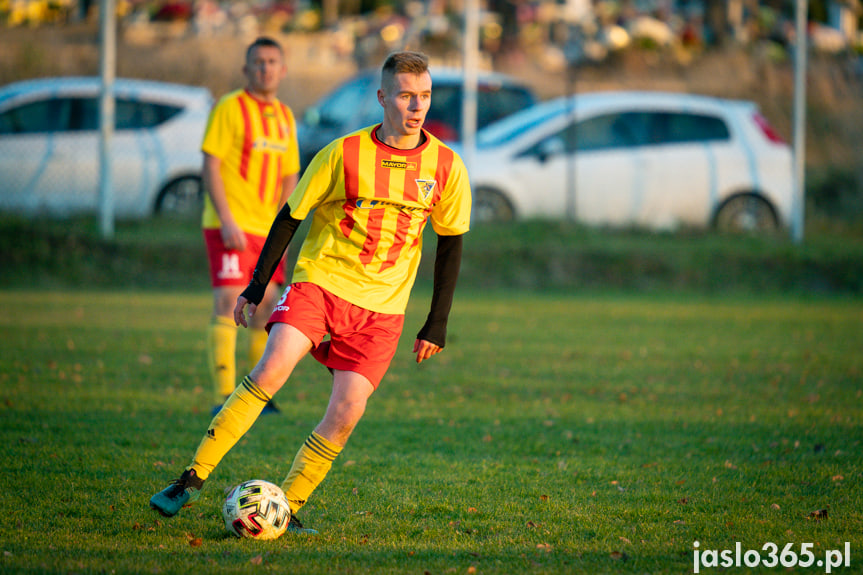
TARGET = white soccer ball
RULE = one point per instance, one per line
(256, 509)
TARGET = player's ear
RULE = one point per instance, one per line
(381, 97)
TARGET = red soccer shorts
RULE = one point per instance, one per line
(361, 341)
(233, 267)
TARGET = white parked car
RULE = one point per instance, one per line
(49, 147)
(640, 159)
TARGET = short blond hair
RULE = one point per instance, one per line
(405, 62)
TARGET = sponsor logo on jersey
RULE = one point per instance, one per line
(366, 204)
(398, 165)
(265, 145)
(426, 187)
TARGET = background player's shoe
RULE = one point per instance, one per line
(181, 491)
(270, 408)
(297, 528)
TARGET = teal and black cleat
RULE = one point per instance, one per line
(181, 491)
(297, 528)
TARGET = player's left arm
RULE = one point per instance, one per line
(432, 337)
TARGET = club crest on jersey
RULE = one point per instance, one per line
(426, 187)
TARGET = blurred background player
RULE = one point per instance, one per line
(251, 165)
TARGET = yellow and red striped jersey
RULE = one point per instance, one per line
(371, 203)
(256, 142)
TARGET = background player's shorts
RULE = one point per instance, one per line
(235, 268)
(362, 341)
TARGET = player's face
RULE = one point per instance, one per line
(406, 100)
(264, 70)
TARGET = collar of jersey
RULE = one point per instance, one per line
(396, 151)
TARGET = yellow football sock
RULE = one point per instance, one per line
(238, 414)
(257, 344)
(311, 465)
(221, 354)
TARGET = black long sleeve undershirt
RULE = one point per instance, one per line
(281, 233)
(446, 269)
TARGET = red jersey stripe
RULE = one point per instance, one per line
(382, 174)
(375, 216)
(277, 192)
(248, 139)
(351, 170)
(402, 226)
(282, 120)
(265, 118)
(262, 186)
(374, 222)
(444, 166)
(411, 193)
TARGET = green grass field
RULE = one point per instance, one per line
(580, 434)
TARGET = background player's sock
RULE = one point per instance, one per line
(257, 344)
(221, 355)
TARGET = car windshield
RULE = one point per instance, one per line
(514, 126)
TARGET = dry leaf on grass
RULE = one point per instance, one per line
(818, 514)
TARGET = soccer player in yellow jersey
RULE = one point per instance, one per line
(251, 162)
(371, 194)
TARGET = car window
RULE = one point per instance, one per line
(137, 115)
(445, 105)
(128, 114)
(604, 132)
(341, 106)
(494, 104)
(512, 127)
(79, 114)
(37, 117)
(675, 127)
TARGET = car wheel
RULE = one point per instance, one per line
(746, 213)
(181, 198)
(491, 206)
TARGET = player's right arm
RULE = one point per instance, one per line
(232, 236)
(281, 232)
